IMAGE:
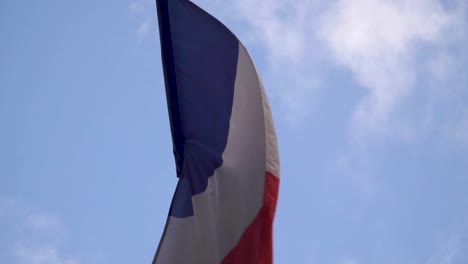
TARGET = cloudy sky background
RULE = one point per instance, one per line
(370, 100)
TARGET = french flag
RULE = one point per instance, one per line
(224, 144)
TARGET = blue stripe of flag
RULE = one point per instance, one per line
(200, 61)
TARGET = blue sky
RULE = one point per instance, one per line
(370, 100)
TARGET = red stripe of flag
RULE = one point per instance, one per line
(256, 243)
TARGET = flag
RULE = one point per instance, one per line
(224, 144)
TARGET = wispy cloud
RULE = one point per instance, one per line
(356, 170)
(43, 222)
(42, 255)
(379, 42)
(144, 14)
(143, 30)
(35, 237)
(279, 25)
(397, 52)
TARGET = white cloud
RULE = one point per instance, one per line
(406, 56)
(43, 222)
(279, 25)
(42, 255)
(379, 42)
(144, 14)
(33, 237)
(143, 30)
(355, 172)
